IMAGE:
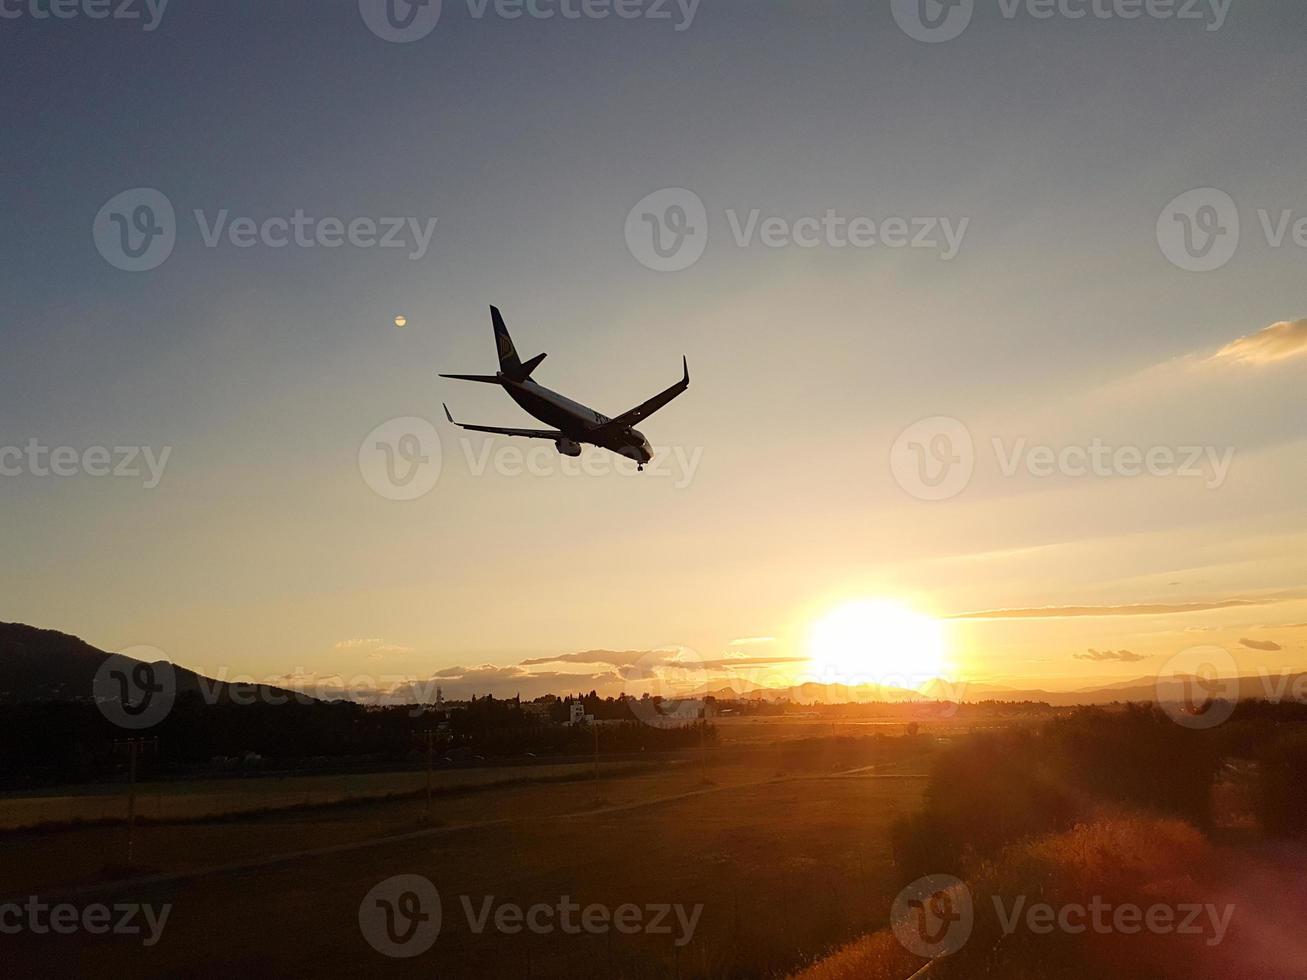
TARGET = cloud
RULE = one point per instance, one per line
(1128, 609)
(1267, 645)
(750, 640)
(376, 647)
(735, 663)
(613, 658)
(1279, 342)
(1102, 656)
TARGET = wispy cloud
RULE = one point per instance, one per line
(1103, 656)
(1126, 609)
(612, 658)
(1267, 645)
(374, 648)
(679, 666)
(735, 663)
(750, 640)
(1279, 342)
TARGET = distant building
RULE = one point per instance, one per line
(577, 717)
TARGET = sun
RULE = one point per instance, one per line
(877, 641)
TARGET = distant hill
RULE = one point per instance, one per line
(1141, 689)
(812, 692)
(45, 665)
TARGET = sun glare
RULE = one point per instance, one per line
(877, 641)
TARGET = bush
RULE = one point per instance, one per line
(1281, 797)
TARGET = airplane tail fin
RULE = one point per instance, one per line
(509, 363)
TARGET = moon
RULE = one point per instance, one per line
(401, 321)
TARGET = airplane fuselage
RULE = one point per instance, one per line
(578, 422)
(571, 424)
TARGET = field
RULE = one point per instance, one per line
(196, 799)
(784, 847)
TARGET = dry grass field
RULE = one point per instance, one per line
(196, 799)
(787, 866)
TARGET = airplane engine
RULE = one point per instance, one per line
(568, 448)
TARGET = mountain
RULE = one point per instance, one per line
(1273, 688)
(812, 692)
(45, 665)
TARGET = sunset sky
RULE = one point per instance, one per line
(1060, 322)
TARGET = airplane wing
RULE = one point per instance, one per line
(627, 419)
(525, 433)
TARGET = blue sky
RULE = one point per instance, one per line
(1060, 320)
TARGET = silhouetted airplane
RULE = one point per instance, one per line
(575, 424)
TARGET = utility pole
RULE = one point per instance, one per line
(428, 735)
(133, 747)
(703, 739)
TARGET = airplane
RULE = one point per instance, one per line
(574, 424)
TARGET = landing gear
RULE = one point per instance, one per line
(639, 468)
